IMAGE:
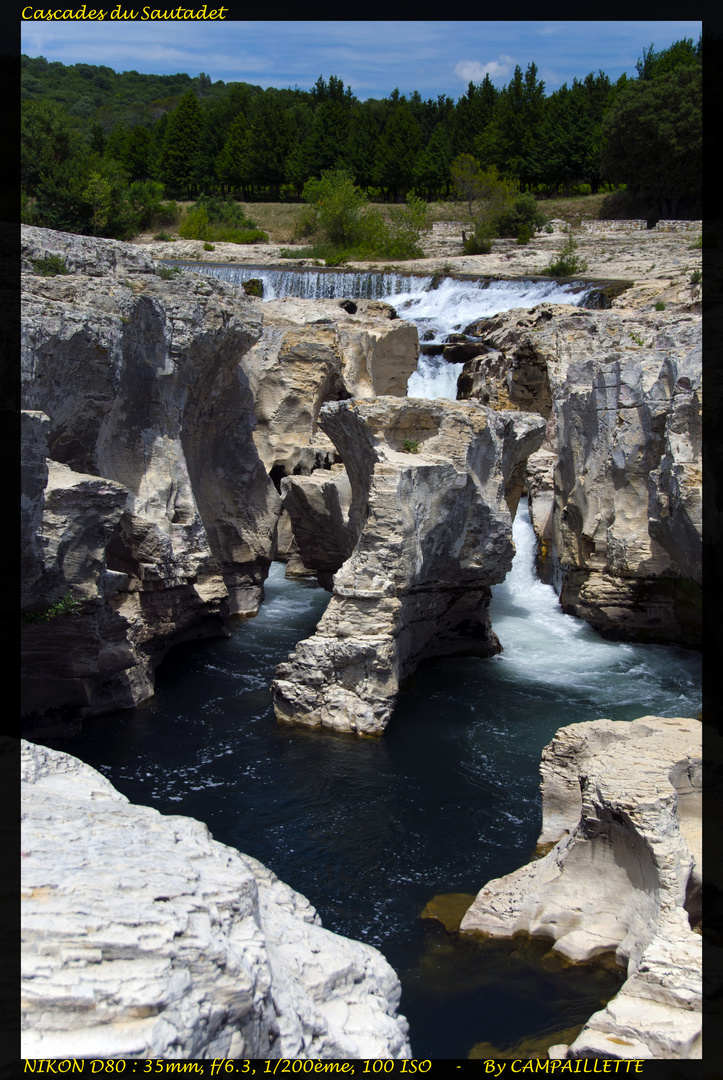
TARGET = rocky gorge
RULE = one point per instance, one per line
(180, 435)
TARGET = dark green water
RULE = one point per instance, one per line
(371, 830)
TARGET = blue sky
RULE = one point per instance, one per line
(371, 57)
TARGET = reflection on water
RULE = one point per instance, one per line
(471, 998)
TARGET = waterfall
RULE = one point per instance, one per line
(559, 654)
(316, 284)
(437, 307)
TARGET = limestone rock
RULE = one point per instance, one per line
(145, 938)
(622, 806)
(520, 381)
(318, 507)
(79, 660)
(139, 377)
(623, 542)
(431, 482)
(33, 478)
(540, 482)
(315, 351)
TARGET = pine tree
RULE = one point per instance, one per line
(509, 141)
(269, 143)
(397, 151)
(431, 173)
(365, 128)
(472, 115)
(178, 165)
(232, 164)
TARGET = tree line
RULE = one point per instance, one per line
(100, 149)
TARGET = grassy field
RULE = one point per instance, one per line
(278, 219)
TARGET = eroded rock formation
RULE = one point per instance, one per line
(318, 507)
(145, 938)
(314, 351)
(622, 807)
(434, 486)
(616, 489)
(157, 487)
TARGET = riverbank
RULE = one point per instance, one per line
(660, 263)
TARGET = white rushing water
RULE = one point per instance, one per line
(544, 646)
(438, 307)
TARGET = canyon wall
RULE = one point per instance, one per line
(158, 519)
(616, 487)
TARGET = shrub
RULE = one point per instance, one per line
(195, 224)
(406, 225)
(345, 226)
(66, 606)
(659, 305)
(163, 236)
(220, 220)
(306, 224)
(168, 273)
(523, 215)
(149, 211)
(567, 262)
(208, 247)
(221, 235)
(696, 277)
(477, 245)
(50, 266)
(411, 446)
(338, 204)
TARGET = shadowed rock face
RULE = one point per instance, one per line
(622, 807)
(149, 421)
(615, 490)
(318, 507)
(433, 486)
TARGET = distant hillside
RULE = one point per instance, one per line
(98, 94)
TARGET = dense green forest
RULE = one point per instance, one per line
(101, 150)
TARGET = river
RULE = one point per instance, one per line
(372, 830)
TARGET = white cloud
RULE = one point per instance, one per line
(473, 71)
